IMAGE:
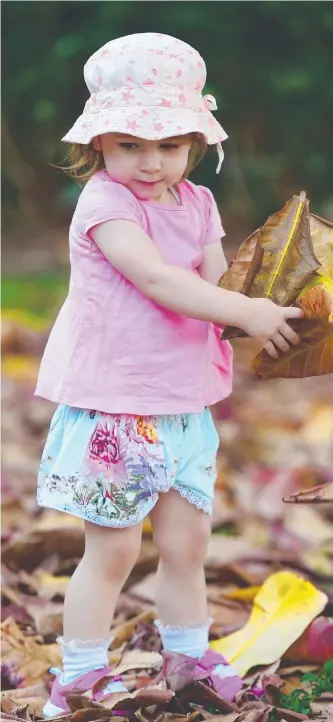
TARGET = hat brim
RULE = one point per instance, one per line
(152, 123)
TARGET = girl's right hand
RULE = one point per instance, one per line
(267, 323)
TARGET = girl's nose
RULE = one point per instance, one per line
(151, 162)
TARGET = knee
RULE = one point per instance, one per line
(184, 547)
(115, 553)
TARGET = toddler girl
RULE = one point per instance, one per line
(134, 359)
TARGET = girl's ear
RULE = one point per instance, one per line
(96, 143)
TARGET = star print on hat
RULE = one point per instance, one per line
(148, 85)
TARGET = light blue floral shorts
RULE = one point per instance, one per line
(110, 469)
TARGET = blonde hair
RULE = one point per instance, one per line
(83, 161)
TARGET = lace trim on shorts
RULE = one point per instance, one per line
(204, 505)
(88, 515)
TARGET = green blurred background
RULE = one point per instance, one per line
(270, 67)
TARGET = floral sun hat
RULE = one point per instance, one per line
(148, 85)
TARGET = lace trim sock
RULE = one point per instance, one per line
(81, 656)
(189, 640)
(192, 641)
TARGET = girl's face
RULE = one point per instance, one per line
(147, 167)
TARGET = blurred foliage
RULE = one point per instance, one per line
(270, 66)
(39, 294)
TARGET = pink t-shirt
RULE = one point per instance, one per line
(113, 349)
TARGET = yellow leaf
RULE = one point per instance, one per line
(27, 319)
(283, 608)
(20, 368)
(146, 526)
(319, 427)
(50, 586)
(243, 595)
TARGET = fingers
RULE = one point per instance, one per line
(287, 332)
(285, 335)
(271, 350)
(282, 340)
(293, 312)
(281, 343)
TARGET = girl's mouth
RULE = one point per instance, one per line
(148, 183)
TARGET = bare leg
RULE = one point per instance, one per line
(109, 557)
(181, 534)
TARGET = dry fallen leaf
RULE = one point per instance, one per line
(27, 551)
(24, 662)
(317, 495)
(124, 632)
(177, 670)
(131, 701)
(277, 260)
(283, 608)
(322, 241)
(34, 697)
(289, 260)
(314, 354)
(136, 659)
(290, 271)
(284, 263)
(243, 267)
(47, 617)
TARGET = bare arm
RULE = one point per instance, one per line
(213, 265)
(130, 250)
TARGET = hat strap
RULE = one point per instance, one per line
(212, 105)
(210, 102)
(220, 153)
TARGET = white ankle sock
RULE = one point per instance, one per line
(192, 641)
(81, 656)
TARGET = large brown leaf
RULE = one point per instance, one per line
(277, 261)
(288, 260)
(243, 267)
(314, 354)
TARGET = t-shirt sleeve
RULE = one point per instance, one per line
(104, 200)
(214, 228)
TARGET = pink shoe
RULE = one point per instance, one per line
(57, 703)
(221, 675)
